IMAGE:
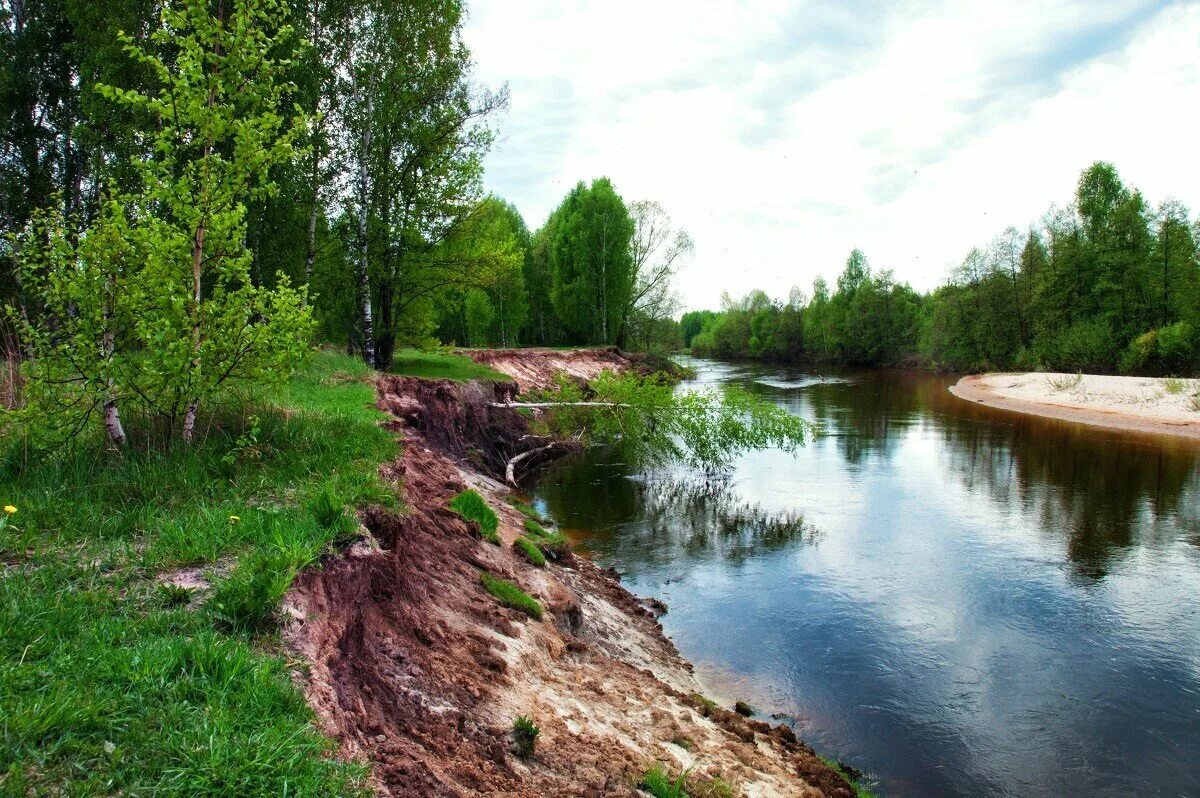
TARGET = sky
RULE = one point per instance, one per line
(782, 135)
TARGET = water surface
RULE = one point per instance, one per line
(960, 600)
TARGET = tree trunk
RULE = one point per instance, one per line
(364, 280)
(189, 422)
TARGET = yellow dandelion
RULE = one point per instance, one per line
(8, 508)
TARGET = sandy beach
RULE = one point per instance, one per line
(1142, 404)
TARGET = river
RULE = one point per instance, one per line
(960, 601)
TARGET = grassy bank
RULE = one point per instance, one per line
(111, 683)
(439, 365)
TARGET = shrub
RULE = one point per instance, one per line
(743, 709)
(530, 551)
(510, 595)
(1167, 350)
(525, 733)
(707, 705)
(1173, 385)
(1083, 346)
(471, 506)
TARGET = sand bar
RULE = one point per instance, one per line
(1141, 404)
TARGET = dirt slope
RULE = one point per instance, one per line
(415, 669)
(538, 369)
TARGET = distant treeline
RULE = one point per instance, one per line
(1107, 284)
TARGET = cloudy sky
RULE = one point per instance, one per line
(783, 135)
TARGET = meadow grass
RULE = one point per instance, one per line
(510, 595)
(111, 682)
(442, 365)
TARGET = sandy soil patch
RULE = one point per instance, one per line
(1142, 404)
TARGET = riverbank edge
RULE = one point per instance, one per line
(972, 388)
(608, 688)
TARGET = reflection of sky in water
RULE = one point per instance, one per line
(984, 604)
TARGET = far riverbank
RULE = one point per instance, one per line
(1141, 404)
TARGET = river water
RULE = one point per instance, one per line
(958, 600)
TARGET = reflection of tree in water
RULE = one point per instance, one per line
(667, 518)
(868, 414)
(1098, 492)
(704, 519)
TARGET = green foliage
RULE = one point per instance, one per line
(651, 422)
(530, 551)
(173, 595)
(479, 316)
(528, 511)
(152, 305)
(592, 265)
(1109, 284)
(1174, 386)
(471, 506)
(525, 734)
(510, 595)
(96, 654)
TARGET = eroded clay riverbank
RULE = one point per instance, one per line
(415, 669)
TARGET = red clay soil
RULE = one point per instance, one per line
(415, 669)
(539, 369)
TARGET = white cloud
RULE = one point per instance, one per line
(784, 136)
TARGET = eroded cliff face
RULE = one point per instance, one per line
(415, 669)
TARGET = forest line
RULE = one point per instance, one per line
(1108, 284)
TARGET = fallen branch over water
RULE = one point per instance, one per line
(510, 470)
(559, 404)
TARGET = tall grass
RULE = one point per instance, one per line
(111, 684)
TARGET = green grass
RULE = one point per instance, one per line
(109, 684)
(525, 734)
(660, 783)
(553, 544)
(510, 595)
(530, 551)
(443, 365)
(1174, 385)
(471, 506)
(528, 511)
